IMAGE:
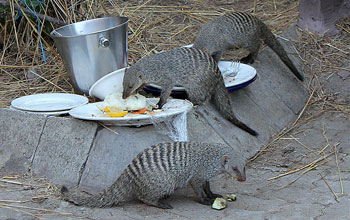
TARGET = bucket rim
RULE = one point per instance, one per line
(53, 35)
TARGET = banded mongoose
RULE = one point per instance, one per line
(160, 169)
(191, 68)
(240, 30)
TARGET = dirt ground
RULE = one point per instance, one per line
(320, 145)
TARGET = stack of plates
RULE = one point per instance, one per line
(48, 103)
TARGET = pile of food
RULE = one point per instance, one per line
(221, 203)
(115, 106)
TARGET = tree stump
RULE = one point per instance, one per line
(320, 16)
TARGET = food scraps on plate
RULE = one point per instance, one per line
(115, 106)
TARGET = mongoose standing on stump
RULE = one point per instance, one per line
(240, 30)
(160, 169)
(191, 68)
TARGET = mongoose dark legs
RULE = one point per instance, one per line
(198, 187)
(254, 50)
(248, 59)
(164, 95)
(208, 192)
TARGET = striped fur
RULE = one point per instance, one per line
(160, 169)
(240, 30)
(190, 68)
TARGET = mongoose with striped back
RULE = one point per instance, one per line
(157, 171)
(240, 30)
(191, 68)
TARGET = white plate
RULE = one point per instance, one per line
(188, 46)
(47, 102)
(171, 108)
(110, 83)
(244, 74)
(43, 113)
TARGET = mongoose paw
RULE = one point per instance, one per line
(64, 189)
(159, 105)
(214, 196)
(166, 196)
(247, 60)
(164, 205)
(207, 201)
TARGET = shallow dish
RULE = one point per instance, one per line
(171, 108)
(46, 102)
(53, 113)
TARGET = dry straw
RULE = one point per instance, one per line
(153, 26)
(40, 190)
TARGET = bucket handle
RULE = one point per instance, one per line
(54, 32)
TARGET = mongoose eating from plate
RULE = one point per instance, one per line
(240, 30)
(157, 171)
(191, 68)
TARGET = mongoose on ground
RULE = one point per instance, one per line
(160, 169)
(240, 30)
(191, 68)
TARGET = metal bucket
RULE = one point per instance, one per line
(91, 49)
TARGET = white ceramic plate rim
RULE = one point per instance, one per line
(91, 112)
(43, 113)
(245, 74)
(47, 102)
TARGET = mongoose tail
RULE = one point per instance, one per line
(115, 194)
(271, 41)
(223, 103)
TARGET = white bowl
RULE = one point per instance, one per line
(110, 83)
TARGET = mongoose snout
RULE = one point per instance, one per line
(241, 180)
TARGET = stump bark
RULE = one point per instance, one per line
(320, 16)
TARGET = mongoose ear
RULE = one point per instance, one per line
(205, 50)
(225, 159)
(213, 54)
